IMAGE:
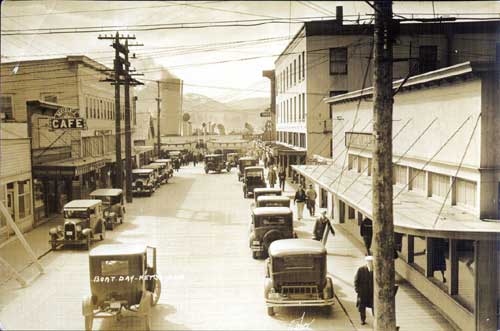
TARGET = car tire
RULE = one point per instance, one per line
(156, 291)
(255, 255)
(89, 320)
(270, 311)
(206, 170)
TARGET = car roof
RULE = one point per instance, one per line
(259, 211)
(213, 155)
(82, 203)
(117, 250)
(287, 247)
(152, 166)
(247, 158)
(254, 168)
(107, 192)
(232, 153)
(272, 197)
(142, 171)
(158, 164)
(163, 160)
(266, 189)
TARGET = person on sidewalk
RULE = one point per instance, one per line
(300, 200)
(363, 284)
(311, 200)
(366, 231)
(271, 176)
(282, 178)
(321, 226)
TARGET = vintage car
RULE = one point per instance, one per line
(243, 162)
(83, 222)
(273, 201)
(162, 171)
(170, 167)
(122, 277)
(253, 177)
(156, 173)
(143, 181)
(232, 159)
(112, 202)
(215, 162)
(265, 191)
(296, 275)
(175, 155)
(267, 225)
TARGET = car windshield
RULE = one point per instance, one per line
(68, 213)
(271, 220)
(211, 159)
(254, 173)
(246, 163)
(141, 176)
(114, 268)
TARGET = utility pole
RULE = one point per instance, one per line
(122, 76)
(158, 109)
(382, 208)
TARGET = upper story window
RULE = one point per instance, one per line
(427, 57)
(300, 67)
(303, 65)
(294, 72)
(6, 107)
(338, 60)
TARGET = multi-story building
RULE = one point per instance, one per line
(446, 176)
(328, 58)
(16, 185)
(66, 164)
(171, 107)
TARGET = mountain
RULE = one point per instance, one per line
(250, 103)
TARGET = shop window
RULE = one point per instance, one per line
(466, 266)
(6, 107)
(338, 61)
(24, 198)
(303, 65)
(294, 72)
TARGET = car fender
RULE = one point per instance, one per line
(86, 232)
(251, 237)
(87, 306)
(328, 289)
(268, 285)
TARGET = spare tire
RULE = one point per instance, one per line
(269, 237)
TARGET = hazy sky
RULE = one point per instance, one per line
(184, 51)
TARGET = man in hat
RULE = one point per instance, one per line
(322, 224)
(311, 200)
(363, 284)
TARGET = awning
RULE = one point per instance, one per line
(279, 149)
(69, 167)
(413, 213)
(142, 149)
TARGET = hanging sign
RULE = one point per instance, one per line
(67, 119)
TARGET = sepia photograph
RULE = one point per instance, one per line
(250, 165)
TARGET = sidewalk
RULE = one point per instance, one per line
(17, 256)
(345, 255)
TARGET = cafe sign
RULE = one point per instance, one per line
(67, 119)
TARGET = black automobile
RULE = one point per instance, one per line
(215, 162)
(253, 177)
(243, 162)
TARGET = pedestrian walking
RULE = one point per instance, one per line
(363, 285)
(271, 177)
(321, 228)
(177, 164)
(265, 161)
(366, 231)
(282, 178)
(438, 257)
(194, 161)
(300, 200)
(311, 200)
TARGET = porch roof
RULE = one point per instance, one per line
(69, 167)
(413, 214)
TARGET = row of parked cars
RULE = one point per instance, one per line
(295, 269)
(147, 180)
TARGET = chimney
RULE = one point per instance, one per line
(339, 15)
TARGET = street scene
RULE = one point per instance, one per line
(250, 165)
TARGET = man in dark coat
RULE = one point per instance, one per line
(366, 231)
(322, 224)
(363, 284)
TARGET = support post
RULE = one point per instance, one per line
(128, 133)
(118, 125)
(453, 273)
(383, 227)
(158, 109)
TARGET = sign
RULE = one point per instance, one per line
(265, 114)
(362, 140)
(67, 119)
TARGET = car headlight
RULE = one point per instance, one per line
(255, 242)
(59, 228)
(133, 184)
(106, 213)
(78, 228)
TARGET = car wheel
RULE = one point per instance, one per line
(269, 238)
(255, 255)
(89, 320)
(270, 311)
(156, 291)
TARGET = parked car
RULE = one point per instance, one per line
(113, 205)
(257, 192)
(175, 155)
(83, 222)
(243, 162)
(232, 159)
(296, 275)
(162, 169)
(122, 277)
(215, 162)
(170, 168)
(253, 177)
(273, 201)
(143, 181)
(156, 173)
(267, 225)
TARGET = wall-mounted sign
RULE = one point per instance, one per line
(67, 119)
(265, 114)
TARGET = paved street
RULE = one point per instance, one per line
(199, 224)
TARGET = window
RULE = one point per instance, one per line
(303, 107)
(338, 61)
(291, 75)
(86, 107)
(24, 198)
(300, 67)
(399, 174)
(427, 58)
(303, 65)
(417, 178)
(294, 72)
(303, 140)
(6, 107)
(300, 107)
(440, 185)
(331, 147)
(287, 80)
(295, 109)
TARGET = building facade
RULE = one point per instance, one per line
(328, 58)
(446, 184)
(16, 184)
(171, 107)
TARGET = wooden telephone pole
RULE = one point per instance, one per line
(122, 76)
(158, 109)
(382, 208)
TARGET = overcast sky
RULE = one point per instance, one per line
(234, 78)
